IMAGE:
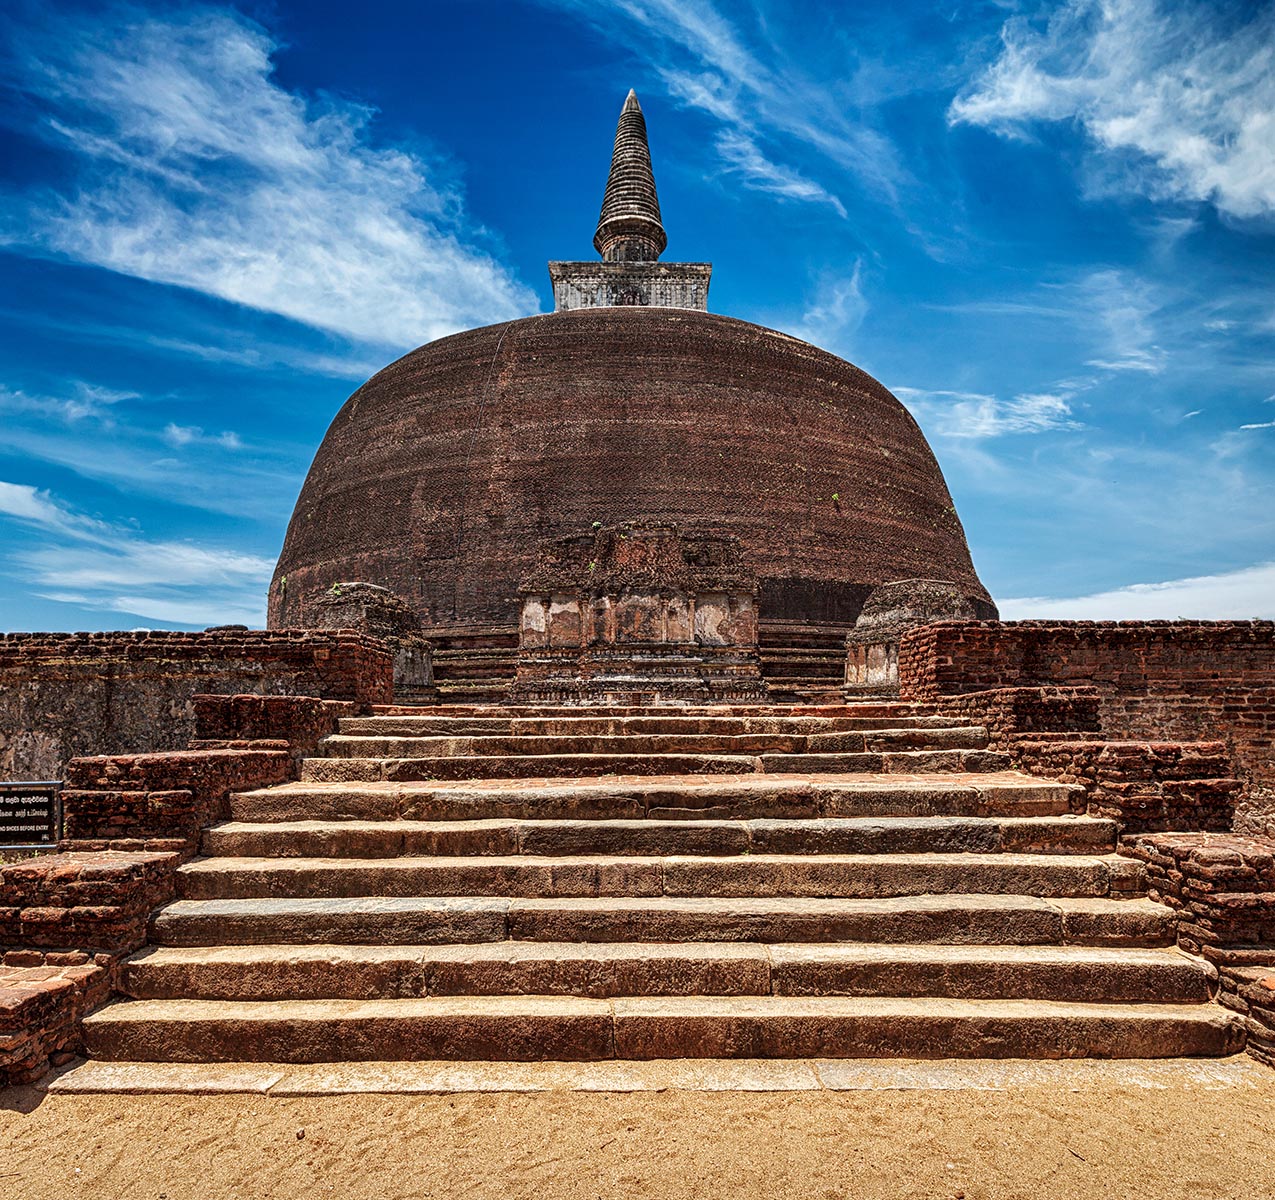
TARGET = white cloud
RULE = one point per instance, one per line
(977, 415)
(89, 562)
(836, 312)
(197, 168)
(1236, 595)
(758, 172)
(85, 401)
(1262, 425)
(178, 436)
(1177, 89)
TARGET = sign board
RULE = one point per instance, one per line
(30, 813)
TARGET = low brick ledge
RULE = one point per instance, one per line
(42, 1009)
(66, 922)
(1147, 786)
(132, 799)
(95, 902)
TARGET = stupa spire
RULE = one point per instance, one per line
(630, 229)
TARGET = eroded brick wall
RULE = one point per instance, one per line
(1155, 681)
(63, 696)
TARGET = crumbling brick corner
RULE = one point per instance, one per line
(66, 922)
(1222, 887)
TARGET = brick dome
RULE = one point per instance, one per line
(441, 475)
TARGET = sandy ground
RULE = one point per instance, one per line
(1042, 1143)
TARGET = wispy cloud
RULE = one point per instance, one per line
(1235, 595)
(1186, 91)
(742, 155)
(84, 402)
(835, 313)
(762, 94)
(195, 167)
(950, 414)
(185, 435)
(86, 561)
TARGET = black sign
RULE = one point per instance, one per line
(30, 814)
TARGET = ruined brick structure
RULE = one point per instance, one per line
(639, 613)
(68, 694)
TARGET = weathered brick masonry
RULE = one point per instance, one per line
(1152, 682)
(1223, 888)
(67, 695)
(66, 920)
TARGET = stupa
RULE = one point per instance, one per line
(444, 476)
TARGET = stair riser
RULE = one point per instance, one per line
(346, 745)
(496, 920)
(337, 770)
(937, 1036)
(413, 976)
(473, 1037)
(1013, 927)
(800, 802)
(443, 726)
(902, 762)
(477, 1037)
(657, 838)
(743, 877)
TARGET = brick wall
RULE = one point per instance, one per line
(66, 922)
(1155, 681)
(63, 696)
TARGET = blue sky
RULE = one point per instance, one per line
(1049, 229)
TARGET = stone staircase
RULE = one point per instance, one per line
(562, 884)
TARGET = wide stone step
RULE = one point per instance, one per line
(846, 835)
(744, 875)
(838, 708)
(525, 1028)
(776, 796)
(605, 970)
(666, 722)
(577, 766)
(837, 742)
(570, 766)
(424, 920)
(889, 762)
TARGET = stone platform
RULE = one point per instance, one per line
(729, 882)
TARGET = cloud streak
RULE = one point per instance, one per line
(195, 167)
(1236, 595)
(82, 560)
(1180, 90)
(950, 414)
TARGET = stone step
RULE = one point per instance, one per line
(577, 766)
(838, 708)
(417, 920)
(604, 970)
(526, 1028)
(442, 724)
(845, 835)
(1008, 793)
(571, 766)
(890, 762)
(345, 745)
(743, 875)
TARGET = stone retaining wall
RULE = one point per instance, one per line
(64, 696)
(66, 922)
(1154, 681)
(1222, 887)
